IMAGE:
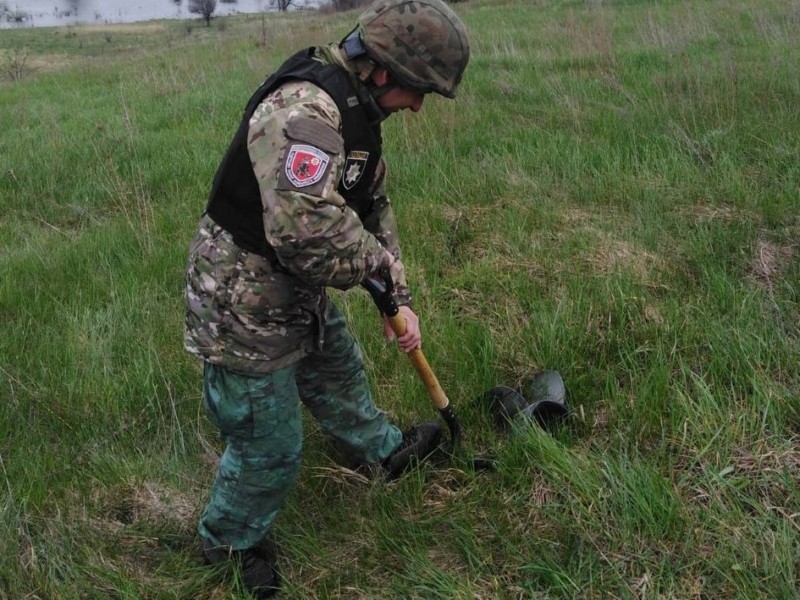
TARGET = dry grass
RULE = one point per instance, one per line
(150, 27)
(154, 502)
(610, 253)
(766, 464)
(770, 262)
(674, 33)
(147, 503)
(708, 213)
(592, 36)
(18, 64)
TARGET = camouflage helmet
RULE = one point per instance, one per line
(422, 43)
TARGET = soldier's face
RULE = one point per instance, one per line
(400, 98)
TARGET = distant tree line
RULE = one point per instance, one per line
(338, 5)
(206, 8)
(13, 16)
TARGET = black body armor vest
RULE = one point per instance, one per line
(235, 200)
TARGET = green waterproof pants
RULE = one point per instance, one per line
(259, 418)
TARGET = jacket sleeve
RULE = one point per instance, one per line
(297, 154)
(382, 224)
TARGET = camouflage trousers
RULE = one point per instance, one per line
(259, 417)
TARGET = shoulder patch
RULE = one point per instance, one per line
(354, 168)
(315, 132)
(305, 165)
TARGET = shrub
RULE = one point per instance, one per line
(16, 65)
(338, 5)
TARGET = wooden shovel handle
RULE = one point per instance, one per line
(435, 391)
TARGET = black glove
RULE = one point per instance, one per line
(380, 286)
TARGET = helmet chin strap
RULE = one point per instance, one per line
(366, 89)
(373, 92)
(368, 94)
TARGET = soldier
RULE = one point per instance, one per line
(298, 204)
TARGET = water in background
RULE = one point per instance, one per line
(49, 13)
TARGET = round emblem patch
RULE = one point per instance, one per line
(305, 165)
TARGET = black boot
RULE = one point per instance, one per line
(418, 442)
(259, 577)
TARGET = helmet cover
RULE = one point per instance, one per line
(422, 43)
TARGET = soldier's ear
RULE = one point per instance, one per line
(380, 76)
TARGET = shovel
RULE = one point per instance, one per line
(381, 292)
(543, 400)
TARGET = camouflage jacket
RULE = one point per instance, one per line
(254, 314)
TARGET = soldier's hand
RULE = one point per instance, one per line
(412, 338)
(388, 259)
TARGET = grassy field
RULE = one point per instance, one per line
(615, 195)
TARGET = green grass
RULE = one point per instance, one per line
(614, 195)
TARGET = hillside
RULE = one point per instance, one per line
(615, 195)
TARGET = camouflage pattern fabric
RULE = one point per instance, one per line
(244, 312)
(252, 314)
(259, 417)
